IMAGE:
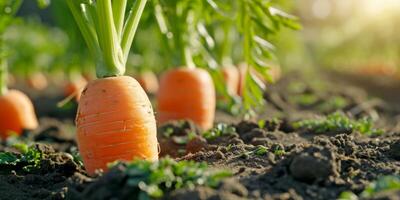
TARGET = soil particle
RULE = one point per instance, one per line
(314, 165)
(196, 144)
(254, 133)
(395, 150)
(229, 189)
(245, 127)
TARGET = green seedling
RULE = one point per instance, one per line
(220, 130)
(338, 122)
(29, 157)
(333, 104)
(154, 179)
(383, 184)
(261, 150)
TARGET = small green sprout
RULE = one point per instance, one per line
(261, 150)
(383, 184)
(220, 130)
(348, 196)
(338, 122)
(306, 99)
(333, 104)
(279, 152)
(30, 157)
(154, 179)
(168, 132)
(76, 156)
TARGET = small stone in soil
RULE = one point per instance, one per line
(312, 167)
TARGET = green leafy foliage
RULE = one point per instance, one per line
(8, 8)
(261, 150)
(338, 122)
(29, 157)
(35, 45)
(383, 184)
(219, 130)
(108, 27)
(154, 179)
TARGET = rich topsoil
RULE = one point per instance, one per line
(298, 164)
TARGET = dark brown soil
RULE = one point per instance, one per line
(297, 164)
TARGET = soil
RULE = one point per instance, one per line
(297, 164)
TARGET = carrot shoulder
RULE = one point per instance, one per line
(187, 93)
(115, 121)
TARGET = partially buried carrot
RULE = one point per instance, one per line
(16, 114)
(187, 93)
(149, 82)
(37, 81)
(75, 88)
(115, 122)
(115, 119)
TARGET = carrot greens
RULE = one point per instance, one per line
(107, 30)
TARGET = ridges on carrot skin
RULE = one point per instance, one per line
(187, 93)
(115, 121)
(16, 113)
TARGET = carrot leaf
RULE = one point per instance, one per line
(107, 32)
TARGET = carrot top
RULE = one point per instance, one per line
(8, 9)
(107, 31)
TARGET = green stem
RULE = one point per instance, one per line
(189, 58)
(114, 64)
(131, 26)
(119, 7)
(3, 76)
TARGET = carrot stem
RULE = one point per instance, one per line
(131, 26)
(106, 31)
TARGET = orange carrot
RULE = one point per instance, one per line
(187, 93)
(16, 113)
(231, 77)
(37, 81)
(115, 121)
(75, 88)
(149, 82)
(377, 70)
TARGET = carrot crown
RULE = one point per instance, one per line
(107, 31)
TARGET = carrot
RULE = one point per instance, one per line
(377, 70)
(37, 81)
(75, 88)
(231, 76)
(149, 82)
(16, 114)
(187, 93)
(115, 119)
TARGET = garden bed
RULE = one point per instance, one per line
(292, 151)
